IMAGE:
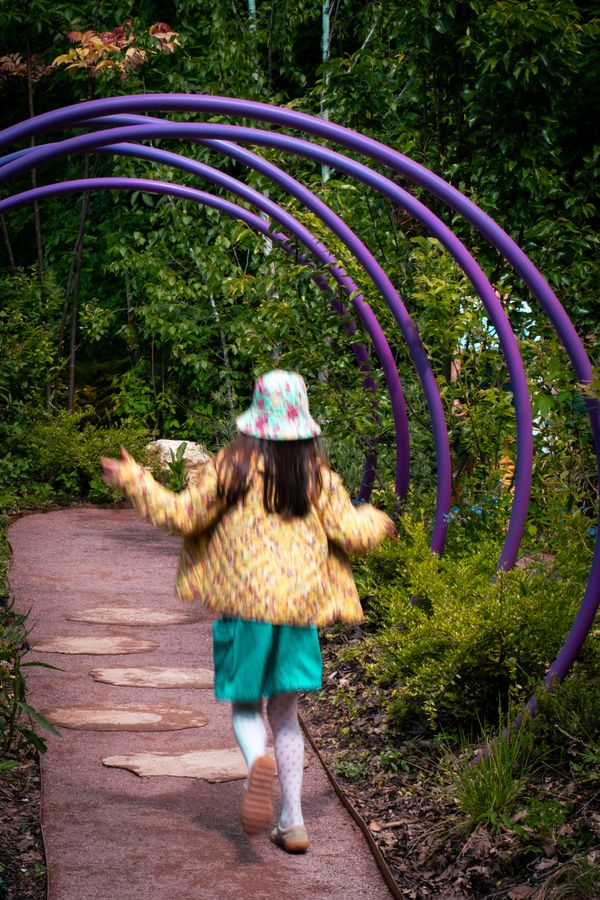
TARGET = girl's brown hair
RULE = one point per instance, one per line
(292, 473)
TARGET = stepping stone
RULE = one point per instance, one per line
(124, 718)
(210, 765)
(156, 676)
(134, 615)
(94, 646)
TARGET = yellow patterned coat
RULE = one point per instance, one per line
(244, 562)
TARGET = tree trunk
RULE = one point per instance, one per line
(8, 245)
(78, 260)
(36, 209)
(75, 271)
(325, 44)
(225, 351)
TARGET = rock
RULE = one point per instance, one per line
(161, 451)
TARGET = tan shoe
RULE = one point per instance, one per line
(257, 805)
(293, 839)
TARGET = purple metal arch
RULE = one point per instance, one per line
(369, 147)
(346, 284)
(524, 456)
(379, 277)
(417, 173)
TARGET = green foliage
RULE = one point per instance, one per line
(58, 457)
(14, 733)
(352, 765)
(450, 642)
(488, 788)
(177, 469)
(27, 339)
(65, 451)
(568, 723)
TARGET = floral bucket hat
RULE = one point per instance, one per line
(279, 410)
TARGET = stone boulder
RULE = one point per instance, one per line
(160, 450)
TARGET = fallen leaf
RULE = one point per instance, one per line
(478, 870)
(546, 864)
(520, 892)
(519, 816)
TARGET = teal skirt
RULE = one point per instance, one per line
(257, 659)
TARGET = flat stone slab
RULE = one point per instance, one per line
(210, 765)
(155, 677)
(124, 718)
(133, 615)
(94, 646)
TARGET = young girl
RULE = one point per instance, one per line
(266, 529)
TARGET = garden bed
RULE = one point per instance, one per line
(22, 860)
(548, 848)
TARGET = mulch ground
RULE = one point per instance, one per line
(396, 784)
(22, 862)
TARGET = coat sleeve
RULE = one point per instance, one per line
(187, 512)
(355, 529)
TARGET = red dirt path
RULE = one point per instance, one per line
(111, 835)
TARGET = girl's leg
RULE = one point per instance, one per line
(249, 729)
(282, 710)
(251, 735)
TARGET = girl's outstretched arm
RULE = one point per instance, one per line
(355, 529)
(189, 511)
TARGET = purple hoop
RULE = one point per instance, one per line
(416, 349)
(440, 189)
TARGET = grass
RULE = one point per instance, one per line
(577, 879)
(488, 787)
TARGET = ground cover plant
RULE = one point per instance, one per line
(22, 858)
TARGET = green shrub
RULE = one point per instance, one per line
(63, 452)
(450, 642)
(15, 731)
(568, 723)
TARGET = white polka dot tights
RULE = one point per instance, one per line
(282, 710)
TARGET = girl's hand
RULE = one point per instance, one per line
(391, 531)
(112, 468)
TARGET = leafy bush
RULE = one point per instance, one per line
(450, 642)
(568, 723)
(14, 733)
(59, 457)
